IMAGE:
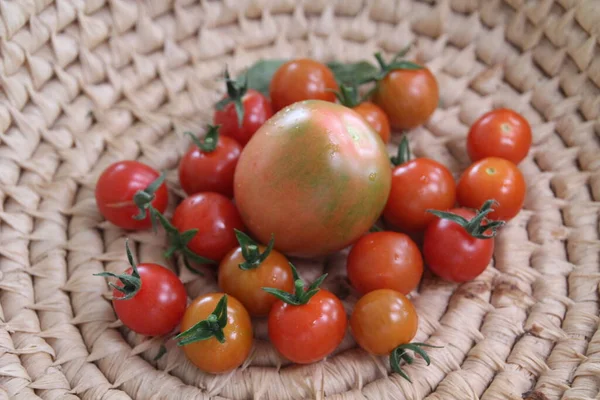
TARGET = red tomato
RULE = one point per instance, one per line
(259, 271)
(211, 355)
(418, 185)
(117, 187)
(408, 96)
(385, 260)
(493, 178)
(215, 217)
(452, 252)
(257, 110)
(315, 176)
(301, 79)
(375, 116)
(499, 133)
(383, 320)
(309, 332)
(210, 171)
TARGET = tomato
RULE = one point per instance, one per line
(209, 167)
(375, 116)
(257, 110)
(502, 133)
(119, 185)
(417, 185)
(215, 217)
(383, 320)
(245, 270)
(233, 326)
(407, 95)
(309, 325)
(385, 260)
(148, 298)
(457, 250)
(315, 175)
(493, 178)
(301, 79)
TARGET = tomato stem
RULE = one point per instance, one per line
(300, 295)
(235, 93)
(250, 250)
(395, 64)
(478, 225)
(143, 198)
(131, 283)
(399, 354)
(403, 154)
(210, 327)
(210, 141)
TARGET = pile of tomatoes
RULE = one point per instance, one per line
(305, 172)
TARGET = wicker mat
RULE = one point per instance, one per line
(89, 82)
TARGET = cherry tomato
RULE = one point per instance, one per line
(454, 254)
(115, 192)
(210, 355)
(383, 320)
(301, 79)
(493, 178)
(407, 96)
(316, 176)
(257, 110)
(502, 133)
(246, 285)
(375, 116)
(215, 217)
(418, 185)
(210, 171)
(385, 260)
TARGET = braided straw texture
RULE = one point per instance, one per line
(87, 83)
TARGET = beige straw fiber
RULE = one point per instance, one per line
(84, 83)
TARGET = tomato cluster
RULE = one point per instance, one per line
(309, 180)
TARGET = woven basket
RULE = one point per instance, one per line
(89, 82)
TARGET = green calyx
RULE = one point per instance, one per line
(403, 154)
(478, 225)
(210, 327)
(396, 64)
(300, 296)
(143, 198)
(179, 241)
(235, 94)
(399, 354)
(251, 251)
(131, 283)
(348, 96)
(210, 141)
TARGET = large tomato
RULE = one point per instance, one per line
(316, 175)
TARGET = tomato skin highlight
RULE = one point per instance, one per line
(301, 79)
(158, 306)
(321, 163)
(493, 178)
(116, 188)
(385, 260)
(215, 217)
(501, 133)
(451, 253)
(375, 116)
(383, 320)
(210, 355)
(213, 171)
(310, 332)
(246, 286)
(418, 185)
(257, 110)
(408, 97)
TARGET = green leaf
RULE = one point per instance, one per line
(353, 73)
(260, 74)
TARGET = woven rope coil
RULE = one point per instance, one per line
(87, 83)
